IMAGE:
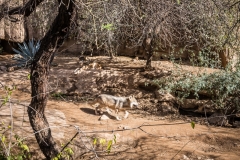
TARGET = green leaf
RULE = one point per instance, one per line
(28, 76)
(19, 157)
(16, 137)
(10, 93)
(55, 158)
(108, 26)
(5, 100)
(59, 155)
(193, 124)
(95, 141)
(69, 151)
(3, 139)
(178, 1)
(25, 147)
(102, 141)
(109, 147)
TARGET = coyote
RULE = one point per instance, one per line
(115, 103)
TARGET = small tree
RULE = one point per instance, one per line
(40, 70)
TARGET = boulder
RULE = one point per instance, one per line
(3, 68)
(199, 106)
(166, 108)
(218, 119)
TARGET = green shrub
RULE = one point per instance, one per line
(11, 149)
(220, 86)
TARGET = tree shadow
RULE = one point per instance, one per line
(92, 111)
(88, 110)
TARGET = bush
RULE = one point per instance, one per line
(221, 87)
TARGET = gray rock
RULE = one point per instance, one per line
(3, 68)
(218, 119)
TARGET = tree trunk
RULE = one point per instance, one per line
(110, 46)
(149, 60)
(39, 77)
(149, 51)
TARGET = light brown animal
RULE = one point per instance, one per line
(115, 103)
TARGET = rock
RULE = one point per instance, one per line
(189, 104)
(77, 70)
(155, 74)
(236, 124)
(13, 68)
(199, 106)
(3, 68)
(135, 59)
(138, 95)
(154, 101)
(165, 97)
(166, 108)
(149, 95)
(10, 69)
(185, 157)
(103, 117)
(95, 81)
(83, 58)
(148, 86)
(218, 119)
(124, 127)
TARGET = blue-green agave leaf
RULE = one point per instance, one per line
(26, 52)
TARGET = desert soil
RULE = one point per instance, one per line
(162, 138)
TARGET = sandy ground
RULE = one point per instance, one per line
(159, 139)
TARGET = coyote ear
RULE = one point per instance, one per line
(130, 97)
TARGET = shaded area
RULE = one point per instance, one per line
(88, 110)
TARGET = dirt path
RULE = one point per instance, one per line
(165, 139)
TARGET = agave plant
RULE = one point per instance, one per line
(26, 52)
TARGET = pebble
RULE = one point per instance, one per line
(103, 117)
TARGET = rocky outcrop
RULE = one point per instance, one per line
(218, 119)
(93, 81)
